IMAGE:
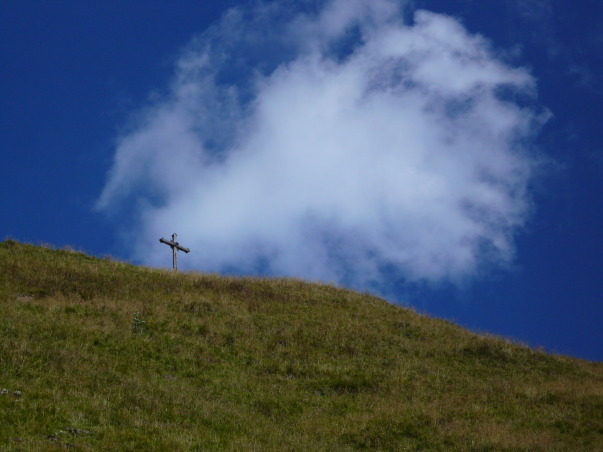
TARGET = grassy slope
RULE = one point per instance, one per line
(225, 363)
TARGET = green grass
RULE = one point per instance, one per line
(109, 356)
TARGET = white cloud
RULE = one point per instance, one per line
(331, 146)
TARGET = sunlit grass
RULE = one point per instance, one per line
(108, 356)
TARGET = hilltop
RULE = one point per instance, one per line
(103, 355)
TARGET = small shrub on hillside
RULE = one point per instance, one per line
(137, 324)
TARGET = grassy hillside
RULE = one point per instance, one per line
(101, 355)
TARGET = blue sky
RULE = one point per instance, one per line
(444, 154)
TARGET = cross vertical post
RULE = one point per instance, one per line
(174, 254)
(175, 248)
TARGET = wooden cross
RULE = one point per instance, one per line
(175, 247)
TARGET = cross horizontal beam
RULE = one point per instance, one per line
(174, 245)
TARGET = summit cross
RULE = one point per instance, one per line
(175, 247)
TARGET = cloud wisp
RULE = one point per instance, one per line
(344, 144)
